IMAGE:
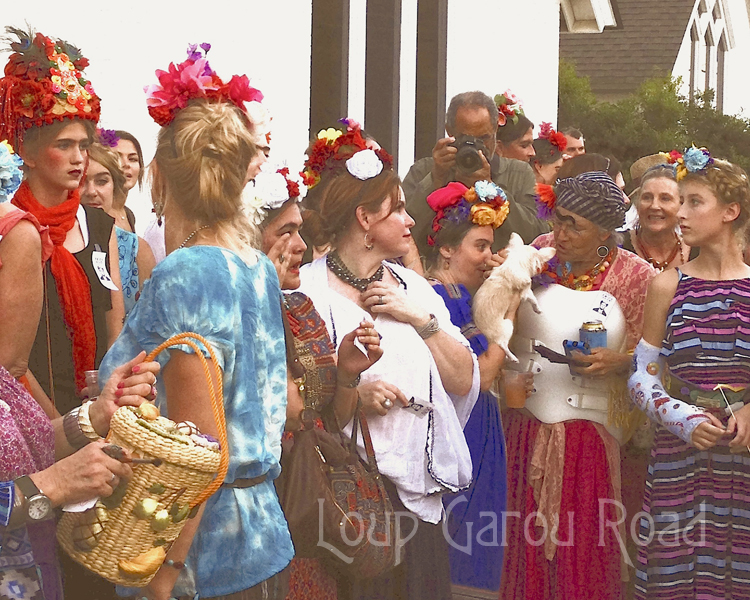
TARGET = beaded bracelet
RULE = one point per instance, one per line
(175, 564)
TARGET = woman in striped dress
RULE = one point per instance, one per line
(694, 533)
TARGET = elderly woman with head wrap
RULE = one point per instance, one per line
(566, 441)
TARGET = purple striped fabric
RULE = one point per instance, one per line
(707, 339)
(695, 542)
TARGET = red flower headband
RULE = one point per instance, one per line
(336, 145)
(555, 138)
(43, 83)
(194, 78)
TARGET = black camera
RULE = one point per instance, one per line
(468, 158)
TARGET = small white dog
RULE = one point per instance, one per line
(507, 286)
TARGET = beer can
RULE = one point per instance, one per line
(594, 334)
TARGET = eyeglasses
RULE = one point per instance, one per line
(567, 226)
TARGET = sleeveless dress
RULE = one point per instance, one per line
(707, 342)
(476, 558)
(127, 249)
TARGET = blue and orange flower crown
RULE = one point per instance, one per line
(10, 171)
(693, 160)
(483, 204)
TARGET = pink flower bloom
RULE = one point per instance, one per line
(240, 90)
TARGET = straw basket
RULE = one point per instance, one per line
(125, 538)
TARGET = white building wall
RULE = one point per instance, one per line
(737, 30)
(499, 45)
(737, 81)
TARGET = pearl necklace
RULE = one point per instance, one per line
(340, 270)
(190, 237)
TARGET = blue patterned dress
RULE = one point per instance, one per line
(127, 249)
(243, 537)
(480, 562)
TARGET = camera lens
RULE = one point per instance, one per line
(468, 159)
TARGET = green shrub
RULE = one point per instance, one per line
(654, 118)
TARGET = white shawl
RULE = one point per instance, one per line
(423, 456)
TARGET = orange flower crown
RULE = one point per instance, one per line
(43, 83)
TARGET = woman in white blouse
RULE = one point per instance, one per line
(421, 451)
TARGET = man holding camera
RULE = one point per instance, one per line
(471, 125)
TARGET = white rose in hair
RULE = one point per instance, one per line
(271, 188)
(364, 165)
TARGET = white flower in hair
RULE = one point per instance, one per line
(364, 165)
(271, 188)
(261, 118)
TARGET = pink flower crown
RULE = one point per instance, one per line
(483, 204)
(191, 79)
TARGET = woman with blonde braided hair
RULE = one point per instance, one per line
(215, 283)
(692, 376)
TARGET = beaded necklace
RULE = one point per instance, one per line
(340, 270)
(556, 272)
(659, 265)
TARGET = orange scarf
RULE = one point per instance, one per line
(72, 284)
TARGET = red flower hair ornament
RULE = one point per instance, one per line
(338, 148)
(546, 199)
(555, 138)
(191, 79)
(43, 82)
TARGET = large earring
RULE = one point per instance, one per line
(602, 251)
(159, 210)
(368, 242)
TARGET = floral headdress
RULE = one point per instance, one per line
(43, 83)
(509, 107)
(191, 79)
(107, 137)
(345, 146)
(271, 189)
(693, 160)
(10, 171)
(483, 204)
(555, 138)
(545, 201)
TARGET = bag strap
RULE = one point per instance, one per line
(360, 423)
(217, 402)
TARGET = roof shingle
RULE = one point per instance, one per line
(645, 43)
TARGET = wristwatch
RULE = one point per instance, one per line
(38, 506)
